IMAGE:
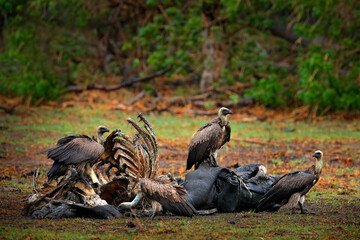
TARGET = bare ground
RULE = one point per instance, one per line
(334, 202)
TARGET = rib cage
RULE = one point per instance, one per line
(137, 156)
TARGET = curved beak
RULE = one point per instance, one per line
(227, 111)
(104, 130)
(316, 155)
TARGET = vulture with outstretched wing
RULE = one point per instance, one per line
(140, 156)
(208, 139)
(289, 190)
(79, 151)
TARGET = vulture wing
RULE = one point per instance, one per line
(286, 186)
(75, 149)
(202, 143)
(169, 195)
(227, 134)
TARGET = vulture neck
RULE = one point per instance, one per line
(223, 120)
(318, 166)
(100, 138)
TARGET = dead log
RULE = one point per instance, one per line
(185, 100)
(125, 83)
(8, 109)
(136, 98)
(240, 103)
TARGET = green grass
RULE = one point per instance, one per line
(45, 126)
(222, 226)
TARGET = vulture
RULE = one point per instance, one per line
(290, 189)
(142, 163)
(80, 152)
(168, 194)
(208, 139)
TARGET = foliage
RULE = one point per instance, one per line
(269, 91)
(49, 44)
(39, 56)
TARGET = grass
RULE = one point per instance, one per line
(335, 200)
(44, 126)
(220, 226)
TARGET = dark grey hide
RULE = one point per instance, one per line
(228, 191)
(65, 210)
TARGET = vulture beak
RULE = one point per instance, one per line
(226, 111)
(317, 155)
(104, 129)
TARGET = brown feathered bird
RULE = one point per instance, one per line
(290, 190)
(140, 154)
(208, 139)
(80, 152)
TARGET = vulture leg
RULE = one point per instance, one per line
(212, 160)
(291, 204)
(132, 204)
(91, 173)
(301, 208)
(156, 207)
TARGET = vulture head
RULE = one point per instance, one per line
(100, 133)
(318, 155)
(223, 112)
(262, 170)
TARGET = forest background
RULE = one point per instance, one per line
(276, 53)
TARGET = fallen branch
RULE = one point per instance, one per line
(240, 103)
(136, 98)
(125, 83)
(186, 100)
(203, 113)
(230, 104)
(8, 109)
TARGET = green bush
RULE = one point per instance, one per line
(37, 54)
(269, 91)
(46, 45)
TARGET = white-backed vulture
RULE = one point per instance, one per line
(289, 190)
(169, 194)
(141, 159)
(79, 151)
(208, 139)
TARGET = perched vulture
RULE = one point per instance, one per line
(290, 189)
(79, 151)
(208, 139)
